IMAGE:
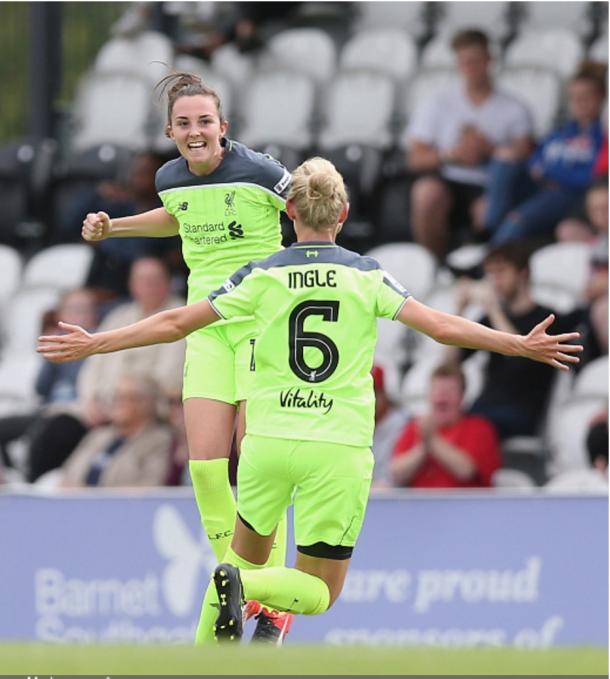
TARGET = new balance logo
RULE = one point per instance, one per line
(235, 230)
(183, 206)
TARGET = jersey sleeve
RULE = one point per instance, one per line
(277, 179)
(237, 295)
(391, 296)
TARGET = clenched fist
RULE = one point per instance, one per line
(96, 226)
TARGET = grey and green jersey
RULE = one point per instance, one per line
(227, 218)
(315, 306)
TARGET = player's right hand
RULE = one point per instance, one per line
(96, 226)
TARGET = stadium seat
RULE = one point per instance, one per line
(278, 108)
(62, 267)
(308, 51)
(26, 310)
(409, 263)
(10, 272)
(231, 64)
(592, 380)
(599, 49)
(98, 119)
(569, 433)
(18, 373)
(344, 119)
(512, 479)
(550, 284)
(389, 51)
(491, 17)
(527, 454)
(539, 89)
(406, 16)
(570, 15)
(148, 54)
(557, 49)
(428, 82)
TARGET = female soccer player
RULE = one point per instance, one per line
(310, 412)
(224, 201)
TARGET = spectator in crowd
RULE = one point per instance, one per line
(529, 199)
(595, 232)
(390, 420)
(55, 437)
(515, 391)
(150, 289)
(446, 448)
(132, 450)
(56, 387)
(112, 258)
(451, 139)
(595, 477)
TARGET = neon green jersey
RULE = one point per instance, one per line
(227, 218)
(316, 306)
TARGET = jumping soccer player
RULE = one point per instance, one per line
(224, 200)
(311, 408)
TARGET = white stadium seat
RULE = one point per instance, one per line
(26, 310)
(406, 16)
(409, 263)
(570, 15)
(390, 51)
(230, 63)
(568, 433)
(539, 89)
(559, 274)
(60, 266)
(490, 17)
(278, 108)
(427, 83)
(345, 121)
(592, 380)
(558, 49)
(10, 271)
(309, 51)
(599, 49)
(100, 120)
(149, 54)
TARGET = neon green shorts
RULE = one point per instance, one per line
(219, 362)
(327, 482)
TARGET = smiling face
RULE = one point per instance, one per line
(196, 128)
(445, 397)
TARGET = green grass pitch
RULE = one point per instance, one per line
(31, 659)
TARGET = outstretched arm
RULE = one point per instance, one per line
(166, 326)
(157, 223)
(457, 331)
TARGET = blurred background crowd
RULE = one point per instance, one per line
(473, 140)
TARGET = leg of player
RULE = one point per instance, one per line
(209, 430)
(310, 588)
(277, 556)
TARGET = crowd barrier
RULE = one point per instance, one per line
(489, 569)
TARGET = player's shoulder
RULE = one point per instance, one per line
(173, 173)
(259, 168)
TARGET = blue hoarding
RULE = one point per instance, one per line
(452, 570)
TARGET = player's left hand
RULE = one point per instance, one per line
(551, 349)
(73, 346)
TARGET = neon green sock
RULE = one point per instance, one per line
(215, 501)
(286, 589)
(277, 557)
(209, 607)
